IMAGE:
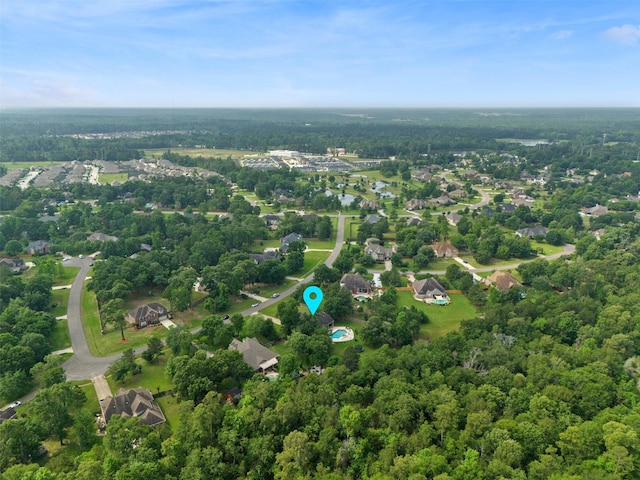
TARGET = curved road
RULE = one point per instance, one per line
(83, 365)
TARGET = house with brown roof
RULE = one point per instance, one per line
(442, 200)
(356, 284)
(133, 403)
(429, 290)
(149, 314)
(254, 354)
(458, 194)
(444, 250)
(415, 222)
(416, 204)
(503, 280)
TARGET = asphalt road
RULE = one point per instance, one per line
(82, 365)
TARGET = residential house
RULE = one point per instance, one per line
(232, 395)
(503, 280)
(145, 247)
(442, 200)
(458, 194)
(325, 319)
(416, 204)
(15, 265)
(444, 250)
(7, 414)
(49, 218)
(271, 220)
(423, 175)
(258, 258)
(372, 241)
(488, 211)
(453, 218)
(372, 219)
(508, 208)
(356, 284)
(101, 237)
(532, 232)
(254, 354)
(39, 247)
(286, 240)
(149, 314)
(378, 252)
(598, 233)
(415, 222)
(429, 290)
(369, 205)
(597, 211)
(133, 403)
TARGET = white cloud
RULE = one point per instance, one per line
(562, 34)
(626, 34)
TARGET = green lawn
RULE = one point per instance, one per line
(312, 260)
(60, 299)
(152, 376)
(107, 178)
(443, 319)
(267, 291)
(320, 244)
(546, 248)
(67, 276)
(60, 338)
(171, 409)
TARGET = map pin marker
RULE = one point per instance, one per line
(313, 298)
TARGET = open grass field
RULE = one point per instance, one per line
(546, 248)
(107, 178)
(60, 338)
(18, 165)
(67, 276)
(60, 299)
(312, 260)
(267, 291)
(442, 319)
(200, 152)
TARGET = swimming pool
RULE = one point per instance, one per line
(338, 334)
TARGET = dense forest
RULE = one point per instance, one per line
(44, 135)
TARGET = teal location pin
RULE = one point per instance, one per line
(313, 298)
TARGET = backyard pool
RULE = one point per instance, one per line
(341, 334)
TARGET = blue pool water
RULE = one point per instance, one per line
(440, 302)
(338, 334)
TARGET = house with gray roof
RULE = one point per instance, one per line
(254, 354)
(429, 290)
(133, 403)
(286, 240)
(39, 247)
(15, 265)
(378, 252)
(531, 232)
(101, 237)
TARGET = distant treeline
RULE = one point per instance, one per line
(406, 134)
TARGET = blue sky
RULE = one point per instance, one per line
(327, 53)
